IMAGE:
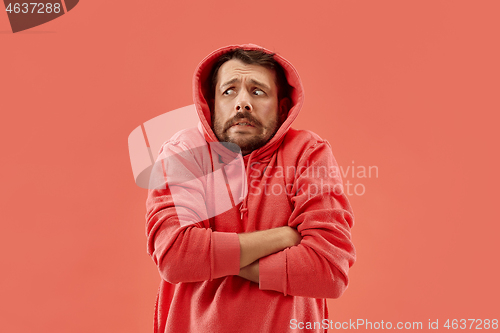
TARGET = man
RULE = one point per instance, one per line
(250, 241)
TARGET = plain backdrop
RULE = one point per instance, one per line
(409, 87)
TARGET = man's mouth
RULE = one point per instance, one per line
(243, 123)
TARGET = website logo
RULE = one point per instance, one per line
(215, 169)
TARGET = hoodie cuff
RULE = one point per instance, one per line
(225, 254)
(272, 272)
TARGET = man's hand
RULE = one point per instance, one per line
(291, 236)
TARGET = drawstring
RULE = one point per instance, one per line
(243, 207)
(228, 187)
(244, 198)
(243, 211)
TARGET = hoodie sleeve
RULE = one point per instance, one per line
(318, 266)
(180, 240)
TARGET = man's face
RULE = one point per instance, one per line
(245, 105)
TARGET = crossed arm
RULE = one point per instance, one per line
(258, 244)
(320, 223)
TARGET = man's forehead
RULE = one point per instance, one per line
(234, 70)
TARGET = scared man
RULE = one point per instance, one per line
(247, 221)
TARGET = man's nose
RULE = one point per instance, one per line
(243, 102)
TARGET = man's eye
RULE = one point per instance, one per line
(258, 92)
(228, 91)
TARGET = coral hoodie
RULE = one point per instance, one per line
(203, 194)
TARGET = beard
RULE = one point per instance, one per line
(248, 144)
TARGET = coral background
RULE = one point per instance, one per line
(411, 87)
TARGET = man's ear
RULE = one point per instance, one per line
(284, 106)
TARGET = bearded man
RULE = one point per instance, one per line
(248, 226)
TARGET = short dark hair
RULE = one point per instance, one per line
(252, 57)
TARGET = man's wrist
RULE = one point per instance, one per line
(250, 272)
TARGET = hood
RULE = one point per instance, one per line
(200, 89)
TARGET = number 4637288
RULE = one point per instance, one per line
(34, 8)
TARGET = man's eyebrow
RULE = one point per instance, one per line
(229, 82)
(252, 81)
(260, 84)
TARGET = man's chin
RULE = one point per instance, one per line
(249, 147)
(247, 142)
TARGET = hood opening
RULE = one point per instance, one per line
(202, 94)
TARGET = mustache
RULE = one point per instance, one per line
(241, 115)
